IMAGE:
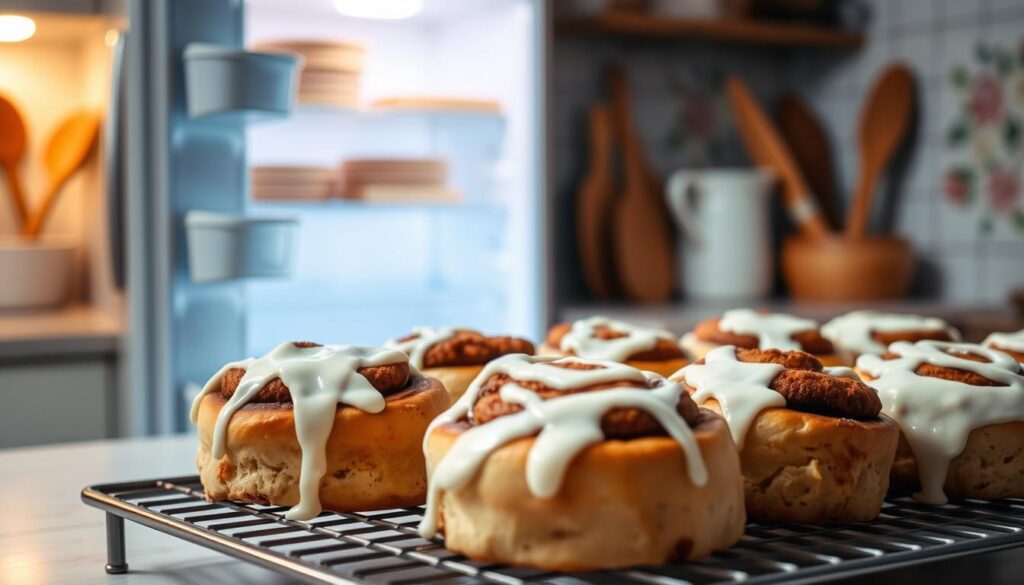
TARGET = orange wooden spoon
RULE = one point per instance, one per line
(884, 123)
(12, 149)
(66, 152)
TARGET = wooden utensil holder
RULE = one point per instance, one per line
(837, 269)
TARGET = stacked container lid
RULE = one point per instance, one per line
(291, 182)
(393, 180)
(331, 71)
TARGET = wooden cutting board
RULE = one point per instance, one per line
(803, 132)
(594, 204)
(642, 243)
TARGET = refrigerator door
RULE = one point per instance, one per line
(178, 331)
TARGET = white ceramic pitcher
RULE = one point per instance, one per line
(723, 215)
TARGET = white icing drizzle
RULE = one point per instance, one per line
(853, 330)
(936, 415)
(318, 379)
(582, 340)
(1010, 341)
(564, 425)
(426, 337)
(741, 388)
(773, 330)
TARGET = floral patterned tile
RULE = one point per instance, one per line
(984, 137)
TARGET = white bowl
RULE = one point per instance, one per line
(223, 246)
(34, 273)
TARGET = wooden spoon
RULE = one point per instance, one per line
(594, 204)
(807, 139)
(65, 153)
(768, 150)
(12, 149)
(884, 123)
(642, 243)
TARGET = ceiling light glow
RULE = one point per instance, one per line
(15, 28)
(379, 9)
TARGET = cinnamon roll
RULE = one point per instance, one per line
(813, 447)
(870, 332)
(644, 348)
(1008, 343)
(454, 356)
(960, 408)
(311, 426)
(572, 464)
(750, 329)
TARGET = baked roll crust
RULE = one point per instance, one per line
(974, 449)
(750, 329)
(1008, 343)
(813, 447)
(870, 332)
(644, 348)
(454, 356)
(635, 496)
(372, 460)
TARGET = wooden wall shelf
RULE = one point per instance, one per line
(728, 30)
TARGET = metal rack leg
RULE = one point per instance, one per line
(116, 562)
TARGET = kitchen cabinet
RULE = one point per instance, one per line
(58, 376)
(57, 400)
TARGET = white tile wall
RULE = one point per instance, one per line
(931, 36)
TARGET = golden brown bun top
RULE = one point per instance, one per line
(663, 350)
(953, 374)
(470, 348)
(387, 379)
(618, 423)
(810, 340)
(808, 389)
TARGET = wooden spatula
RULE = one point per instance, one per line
(66, 151)
(884, 123)
(803, 132)
(642, 244)
(12, 150)
(768, 150)
(594, 205)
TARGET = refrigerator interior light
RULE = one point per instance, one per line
(379, 9)
(14, 28)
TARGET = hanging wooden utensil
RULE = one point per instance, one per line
(12, 149)
(594, 204)
(66, 152)
(768, 150)
(803, 132)
(642, 246)
(884, 123)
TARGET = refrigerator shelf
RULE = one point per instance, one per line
(384, 547)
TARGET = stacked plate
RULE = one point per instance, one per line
(331, 71)
(279, 183)
(386, 179)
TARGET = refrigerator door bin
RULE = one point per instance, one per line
(227, 80)
(224, 246)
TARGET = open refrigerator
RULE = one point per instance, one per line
(357, 271)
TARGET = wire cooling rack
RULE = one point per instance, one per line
(384, 547)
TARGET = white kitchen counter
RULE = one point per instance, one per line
(48, 536)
